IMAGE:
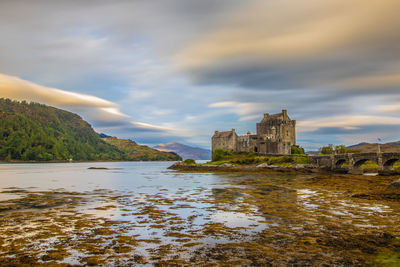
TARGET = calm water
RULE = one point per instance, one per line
(122, 176)
(140, 180)
(161, 209)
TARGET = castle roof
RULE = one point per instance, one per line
(223, 134)
(268, 117)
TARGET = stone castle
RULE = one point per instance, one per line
(276, 134)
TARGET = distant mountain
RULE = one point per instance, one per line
(368, 147)
(397, 143)
(360, 144)
(140, 152)
(36, 132)
(186, 152)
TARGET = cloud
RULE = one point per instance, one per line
(97, 108)
(99, 111)
(16, 88)
(309, 43)
(242, 108)
(349, 122)
(187, 68)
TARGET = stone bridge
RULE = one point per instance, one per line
(354, 161)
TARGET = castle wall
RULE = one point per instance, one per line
(224, 140)
(247, 143)
(275, 135)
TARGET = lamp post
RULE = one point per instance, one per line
(379, 146)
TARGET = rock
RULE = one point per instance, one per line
(262, 165)
(209, 166)
(226, 165)
(395, 185)
(176, 164)
(299, 166)
(274, 166)
(97, 168)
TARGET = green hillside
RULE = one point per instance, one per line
(32, 131)
(140, 152)
(36, 132)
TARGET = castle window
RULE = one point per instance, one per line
(287, 133)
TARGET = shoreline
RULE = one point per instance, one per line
(76, 161)
(250, 169)
(299, 169)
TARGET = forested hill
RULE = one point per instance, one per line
(36, 132)
(140, 152)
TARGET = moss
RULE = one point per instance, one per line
(389, 256)
(94, 260)
(140, 259)
(55, 255)
(304, 220)
(122, 249)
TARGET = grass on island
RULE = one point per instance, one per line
(221, 156)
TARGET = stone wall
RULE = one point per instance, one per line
(225, 140)
(276, 134)
(247, 143)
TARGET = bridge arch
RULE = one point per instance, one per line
(388, 164)
(359, 163)
(339, 163)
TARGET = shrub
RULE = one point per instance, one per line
(339, 149)
(220, 154)
(189, 161)
(250, 160)
(296, 149)
(326, 150)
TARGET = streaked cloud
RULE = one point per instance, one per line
(99, 111)
(348, 122)
(160, 71)
(281, 44)
(242, 108)
(16, 88)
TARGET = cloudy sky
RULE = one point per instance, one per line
(176, 70)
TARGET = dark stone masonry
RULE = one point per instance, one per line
(276, 134)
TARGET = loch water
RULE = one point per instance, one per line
(109, 213)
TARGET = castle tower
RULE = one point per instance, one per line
(276, 134)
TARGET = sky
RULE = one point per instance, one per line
(158, 71)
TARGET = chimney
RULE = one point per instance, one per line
(233, 130)
(266, 115)
(284, 112)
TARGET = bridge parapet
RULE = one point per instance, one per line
(354, 161)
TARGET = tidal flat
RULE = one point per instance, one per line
(142, 214)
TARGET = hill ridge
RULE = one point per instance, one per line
(185, 151)
(37, 132)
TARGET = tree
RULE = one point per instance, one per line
(327, 150)
(190, 161)
(296, 149)
(342, 149)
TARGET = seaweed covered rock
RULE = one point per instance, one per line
(262, 165)
(395, 185)
(226, 165)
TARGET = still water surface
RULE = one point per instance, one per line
(168, 215)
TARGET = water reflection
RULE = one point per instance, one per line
(144, 213)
